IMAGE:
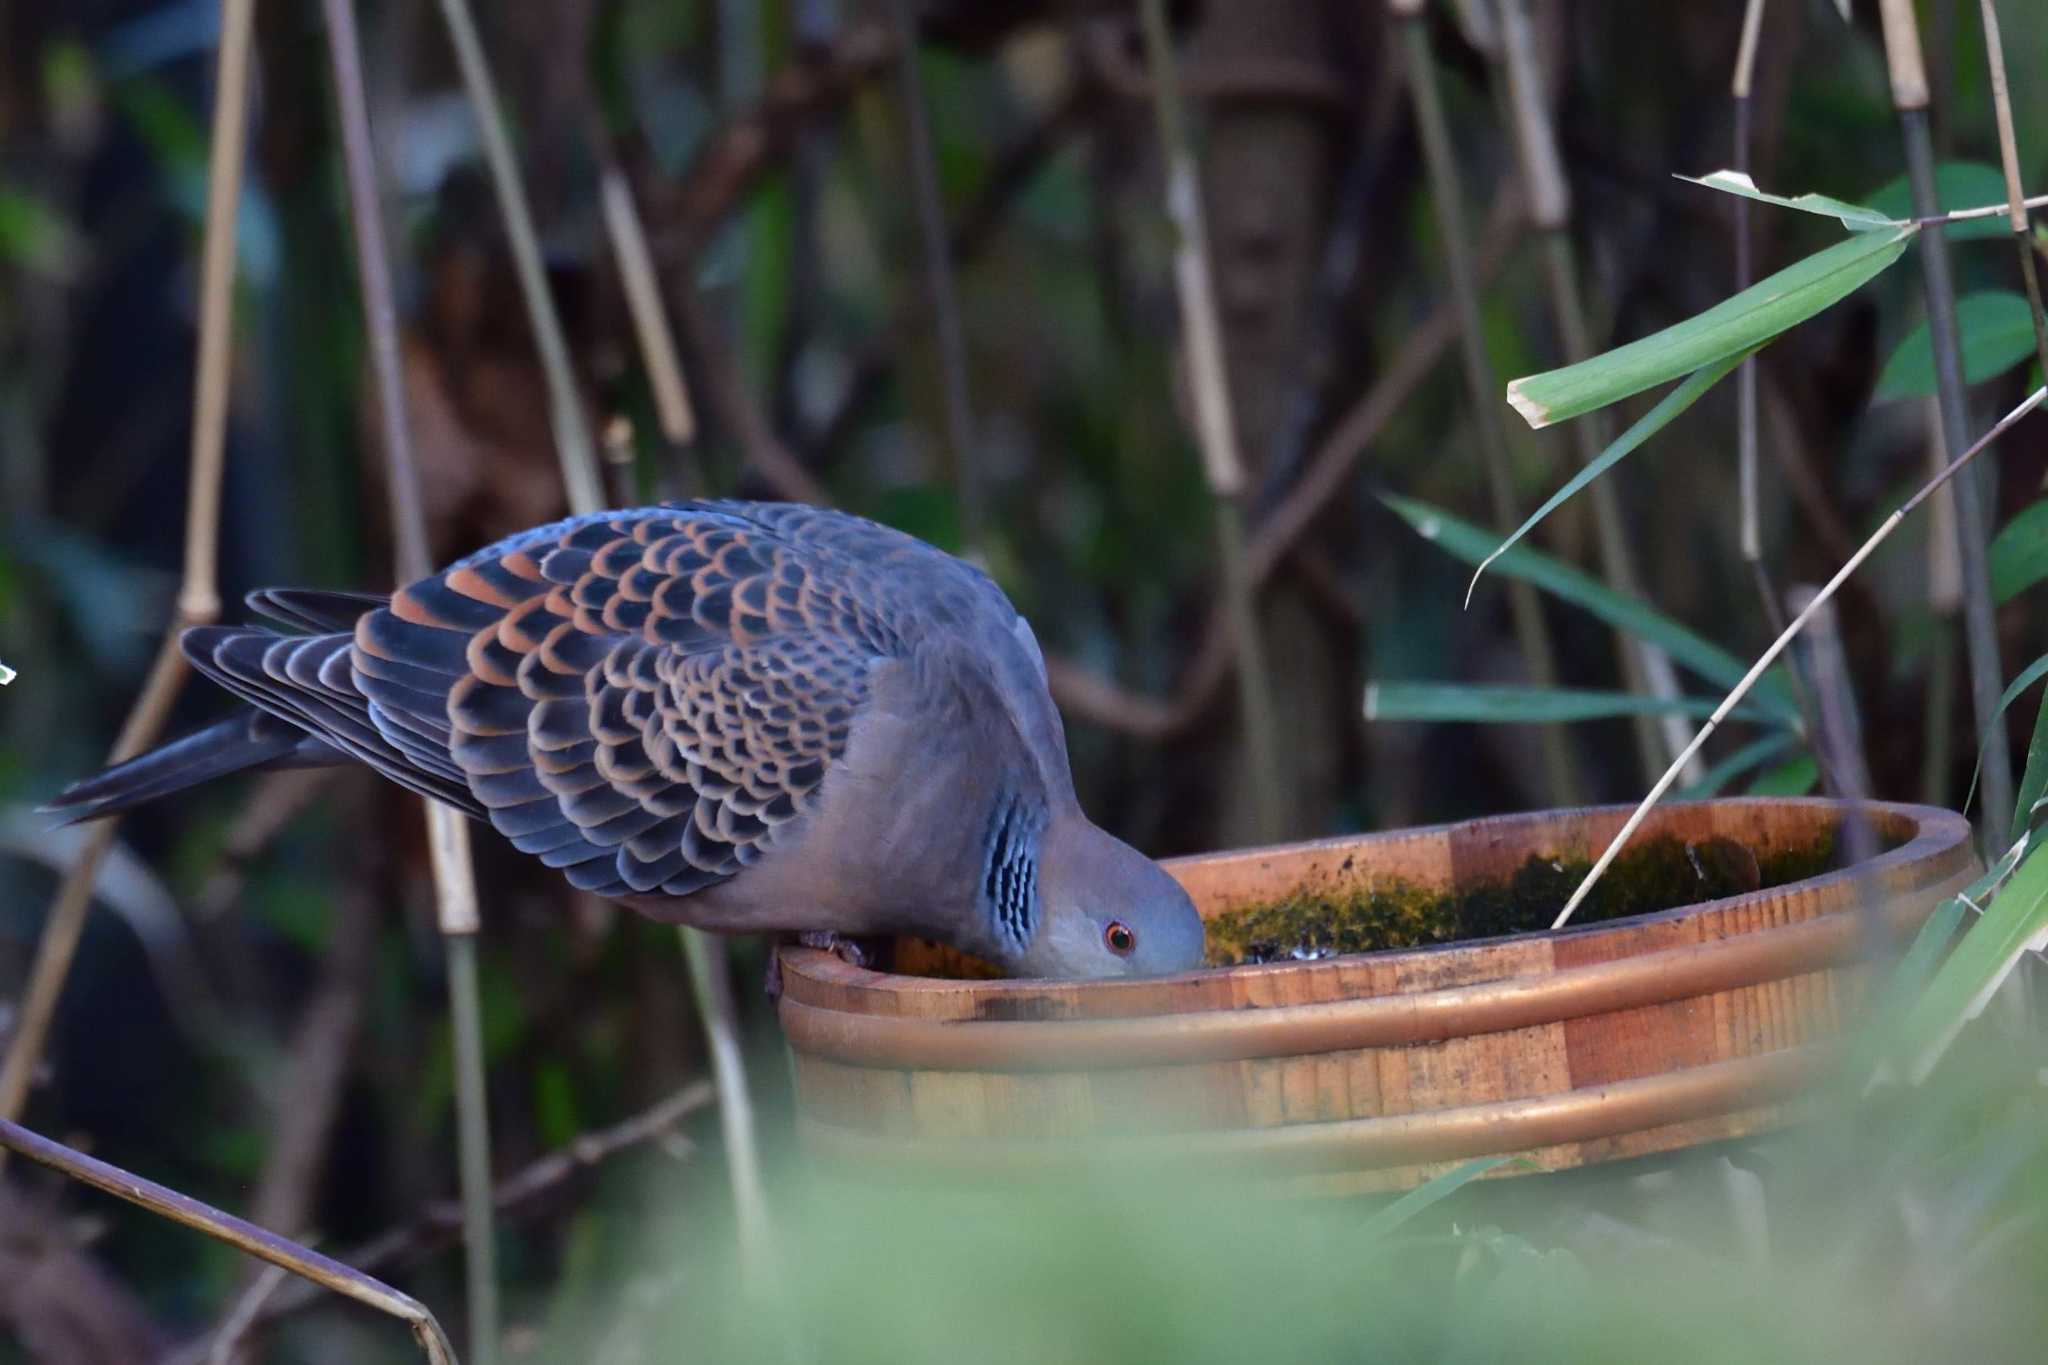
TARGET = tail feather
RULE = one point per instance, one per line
(248, 741)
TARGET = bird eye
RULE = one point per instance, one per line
(1119, 938)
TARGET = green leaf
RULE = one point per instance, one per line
(2027, 677)
(1795, 778)
(1709, 660)
(1855, 217)
(1998, 333)
(2034, 780)
(1496, 704)
(2011, 924)
(1651, 422)
(2019, 553)
(1741, 761)
(1731, 327)
(1392, 1216)
(1957, 185)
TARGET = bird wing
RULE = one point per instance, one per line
(642, 699)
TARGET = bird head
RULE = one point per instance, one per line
(1105, 910)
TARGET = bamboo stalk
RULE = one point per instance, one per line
(2009, 159)
(1533, 636)
(943, 297)
(245, 1236)
(1644, 667)
(1215, 423)
(1785, 637)
(198, 599)
(447, 829)
(643, 299)
(1746, 432)
(1909, 96)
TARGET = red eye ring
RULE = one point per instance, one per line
(1120, 938)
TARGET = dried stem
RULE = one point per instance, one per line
(1644, 667)
(944, 299)
(1538, 654)
(1785, 638)
(198, 592)
(2009, 158)
(1909, 97)
(1215, 424)
(447, 834)
(225, 1227)
(643, 299)
(1746, 419)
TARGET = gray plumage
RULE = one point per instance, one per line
(742, 716)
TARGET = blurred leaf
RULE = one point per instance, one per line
(554, 1105)
(1957, 185)
(1795, 778)
(2013, 923)
(2034, 780)
(1434, 1191)
(1731, 327)
(1994, 727)
(33, 237)
(925, 510)
(2019, 552)
(1710, 661)
(1741, 761)
(1651, 422)
(1486, 703)
(1998, 333)
(1855, 217)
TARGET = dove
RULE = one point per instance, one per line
(747, 717)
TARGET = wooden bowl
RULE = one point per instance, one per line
(1374, 1071)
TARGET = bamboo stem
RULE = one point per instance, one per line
(943, 297)
(1785, 637)
(2009, 159)
(245, 1236)
(447, 830)
(1747, 434)
(1909, 97)
(1215, 423)
(1644, 667)
(1531, 633)
(198, 594)
(643, 299)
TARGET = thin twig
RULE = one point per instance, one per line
(243, 1315)
(2009, 159)
(1539, 655)
(1909, 96)
(1215, 423)
(198, 592)
(447, 831)
(943, 297)
(1785, 638)
(236, 1232)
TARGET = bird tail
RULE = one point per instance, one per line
(249, 740)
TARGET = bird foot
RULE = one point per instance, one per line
(847, 950)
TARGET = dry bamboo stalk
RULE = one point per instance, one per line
(198, 593)
(1215, 423)
(643, 299)
(2009, 159)
(245, 1236)
(1747, 436)
(1785, 637)
(1532, 635)
(447, 829)
(1909, 96)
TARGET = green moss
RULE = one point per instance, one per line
(1654, 874)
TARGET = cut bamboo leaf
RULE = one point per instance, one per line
(1473, 544)
(1855, 217)
(1753, 755)
(2013, 923)
(1509, 704)
(1651, 422)
(1794, 778)
(2019, 553)
(1957, 185)
(1998, 333)
(1730, 328)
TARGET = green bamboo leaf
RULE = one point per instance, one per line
(1392, 1216)
(2013, 923)
(1651, 422)
(2033, 781)
(1795, 778)
(1500, 704)
(1731, 327)
(1998, 333)
(1709, 660)
(1957, 185)
(1994, 727)
(2019, 552)
(1855, 217)
(1749, 756)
